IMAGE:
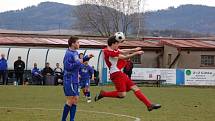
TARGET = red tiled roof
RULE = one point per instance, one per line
(96, 42)
(84, 42)
(190, 43)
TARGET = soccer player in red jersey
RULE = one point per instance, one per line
(115, 59)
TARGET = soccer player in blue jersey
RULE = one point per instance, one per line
(86, 73)
(72, 65)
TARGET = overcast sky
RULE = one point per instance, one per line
(6, 5)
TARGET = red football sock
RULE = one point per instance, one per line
(113, 94)
(142, 98)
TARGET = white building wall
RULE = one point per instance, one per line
(56, 56)
(93, 61)
(38, 56)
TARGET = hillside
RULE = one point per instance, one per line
(54, 16)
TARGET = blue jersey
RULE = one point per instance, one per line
(72, 65)
(35, 71)
(3, 64)
(85, 72)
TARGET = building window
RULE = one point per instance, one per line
(207, 60)
(169, 59)
(136, 59)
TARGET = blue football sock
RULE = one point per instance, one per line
(72, 112)
(65, 112)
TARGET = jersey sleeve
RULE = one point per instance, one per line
(114, 53)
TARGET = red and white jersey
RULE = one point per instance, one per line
(112, 61)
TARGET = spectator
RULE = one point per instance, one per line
(19, 67)
(96, 76)
(36, 75)
(3, 69)
(47, 73)
(128, 68)
(58, 74)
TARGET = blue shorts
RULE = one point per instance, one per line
(71, 89)
(84, 83)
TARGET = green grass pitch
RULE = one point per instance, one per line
(45, 103)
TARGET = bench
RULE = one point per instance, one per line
(11, 76)
(154, 82)
(158, 81)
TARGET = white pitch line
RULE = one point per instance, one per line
(49, 109)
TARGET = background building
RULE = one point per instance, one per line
(158, 52)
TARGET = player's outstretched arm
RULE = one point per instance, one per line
(121, 56)
(87, 57)
(127, 51)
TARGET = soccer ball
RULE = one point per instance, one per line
(119, 36)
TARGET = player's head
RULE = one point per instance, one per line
(35, 65)
(47, 64)
(73, 42)
(2, 55)
(19, 58)
(57, 65)
(81, 55)
(112, 42)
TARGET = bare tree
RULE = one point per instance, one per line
(108, 16)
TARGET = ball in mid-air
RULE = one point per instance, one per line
(119, 36)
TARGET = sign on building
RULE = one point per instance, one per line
(151, 74)
(199, 76)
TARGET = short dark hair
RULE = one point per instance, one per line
(80, 54)
(111, 40)
(72, 39)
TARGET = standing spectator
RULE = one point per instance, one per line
(128, 68)
(3, 69)
(36, 75)
(58, 74)
(19, 67)
(47, 73)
